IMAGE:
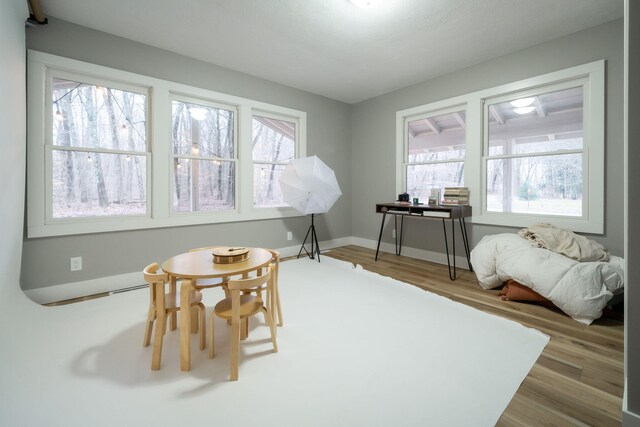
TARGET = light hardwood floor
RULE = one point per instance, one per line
(578, 379)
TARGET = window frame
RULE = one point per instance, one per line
(159, 151)
(297, 146)
(476, 149)
(50, 147)
(429, 111)
(404, 117)
(212, 104)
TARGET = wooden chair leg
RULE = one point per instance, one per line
(272, 328)
(235, 350)
(173, 317)
(161, 319)
(194, 320)
(278, 308)
(151, 315)
(211, 339)
(203, 328)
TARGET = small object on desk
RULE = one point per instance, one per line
(434, 197)
(416, 201)
(404, 197)
(230, 255)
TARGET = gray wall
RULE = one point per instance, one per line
(632, 287)
(46, 260)
(373, 130)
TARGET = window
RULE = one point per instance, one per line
(536, 152)
(204, 163)
(435, 150)
(98, 150)
(274, 144)
(529, 151)
(110, 150)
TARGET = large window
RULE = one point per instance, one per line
(204, 163)
(112, 150)
(98, 150)
(273, 146)
(434, 151)
(529, 151)
(535, 143)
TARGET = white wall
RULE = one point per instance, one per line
(12, 141)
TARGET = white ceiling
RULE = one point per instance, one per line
(333, 48)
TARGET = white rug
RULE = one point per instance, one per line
(357, 349)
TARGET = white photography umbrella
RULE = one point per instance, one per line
(309, 186)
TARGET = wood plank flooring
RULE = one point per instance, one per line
(578, 379)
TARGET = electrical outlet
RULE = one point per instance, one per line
(289, 235)
(75, 263)
(393, 233)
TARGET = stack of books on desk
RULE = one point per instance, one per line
(455, 196)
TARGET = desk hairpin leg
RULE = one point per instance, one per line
(465, 240)
(395, 223)
(446, 246)
(384, 215)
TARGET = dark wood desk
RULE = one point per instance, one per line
(403, 210)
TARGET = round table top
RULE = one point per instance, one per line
(200, 265)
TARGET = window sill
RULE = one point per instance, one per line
(579, 225)
(104, 225)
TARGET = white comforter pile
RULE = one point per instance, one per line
(580, 289)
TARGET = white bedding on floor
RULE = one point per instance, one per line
(580, 289)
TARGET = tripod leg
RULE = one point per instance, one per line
(317, 247)
(303, 243)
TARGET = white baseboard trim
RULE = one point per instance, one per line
(84, 288)
(436, 257)
(629, 419)
(324, 245)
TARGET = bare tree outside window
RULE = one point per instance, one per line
(204, 163)
(273, 147)
(98, 150)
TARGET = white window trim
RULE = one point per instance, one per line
(160, 155)
(594, 147)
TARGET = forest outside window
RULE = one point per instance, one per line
(98, 150)
(204, 162)
(111, 150)
(274, 145)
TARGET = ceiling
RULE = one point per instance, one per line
(333, 48)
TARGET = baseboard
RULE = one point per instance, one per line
(324, 245)
(84, 288)
(113, 283)
(436, 257)
(629, 419)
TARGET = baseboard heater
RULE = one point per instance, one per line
(130, 288)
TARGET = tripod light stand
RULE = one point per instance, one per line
(315, 247)
(309, 186)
